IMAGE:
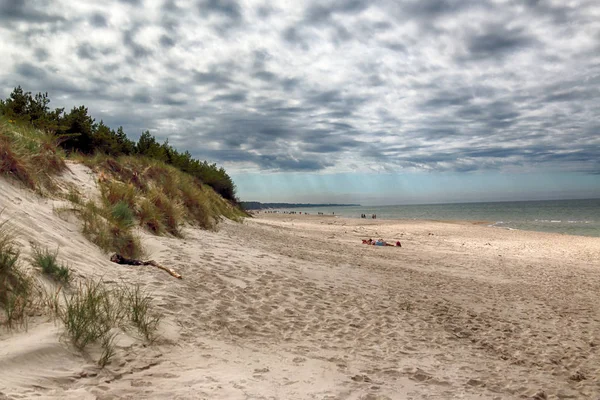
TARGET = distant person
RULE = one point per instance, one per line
(381, 242)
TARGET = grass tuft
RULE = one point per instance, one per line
(110, 228)
(14, 164)
(92, 312)
(196, 203)
(170, 210)
(15, 285)
(74, 196)
(46, 261)
(150, 217)
(122, 215)
(125, 242)
(29, 156)
(84, 314)
(139, 312)
(116, 192)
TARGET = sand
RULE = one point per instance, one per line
(295, 307)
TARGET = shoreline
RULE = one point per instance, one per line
(487, 223)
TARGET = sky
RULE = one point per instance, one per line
(348, 101)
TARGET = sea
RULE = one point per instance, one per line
(572, 217)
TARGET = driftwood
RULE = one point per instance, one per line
(119, 259)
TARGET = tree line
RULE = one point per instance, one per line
(77, 131)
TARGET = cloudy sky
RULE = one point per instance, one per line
(371, 101)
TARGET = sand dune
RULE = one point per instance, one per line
(295, 307)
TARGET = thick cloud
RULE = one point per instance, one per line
(12, 11)
(328, 85)
(226, 8)
(497, 41)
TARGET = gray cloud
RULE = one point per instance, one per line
(41, 54)
(28, 70)
(497, 41)
(137, 50)
(430, 85)
(237, 97)
(26, 11)
(228, 14)
(212, 78)
(86, 51)
(98, 20)
(166, 41)
(430, 9)
(226, 8)
(320, 12)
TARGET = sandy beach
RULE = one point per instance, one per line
(295, 307)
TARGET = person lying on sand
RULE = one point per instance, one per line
(380, 242)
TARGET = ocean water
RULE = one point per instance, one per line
(573, 217)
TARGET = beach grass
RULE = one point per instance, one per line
(109, 229)
(15, 285)
(29, 156)
(149, 217)
(162, 197)
(46, 261)
(139, 302)
(93, 311)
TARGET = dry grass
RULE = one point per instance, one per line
(29, 156)
(15, 285)
(168, 208)
(218, 207)
(134, 190)
(114, 192)
(150, 217)
(162, 197)
(101, 228)
(196, 203)
(14, 164)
